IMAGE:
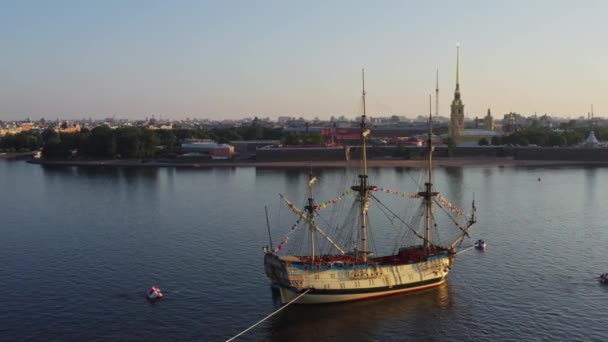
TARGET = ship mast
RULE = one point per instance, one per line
(428, 194)
(363, 188)
(310, 215)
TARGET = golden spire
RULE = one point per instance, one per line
(457, 68)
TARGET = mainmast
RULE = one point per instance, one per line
(310, 215)
(363, 188)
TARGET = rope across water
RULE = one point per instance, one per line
(267, 317)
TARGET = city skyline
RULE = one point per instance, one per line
(241, 59)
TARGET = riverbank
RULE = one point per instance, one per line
(16, 155)
(389, 163)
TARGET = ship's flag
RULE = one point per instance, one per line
(312, 181)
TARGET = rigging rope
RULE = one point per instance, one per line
(416, 181)
(267, 317)
(399, 218)
(407, 237)
(451, 218)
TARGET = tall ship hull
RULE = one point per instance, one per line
(340, 281)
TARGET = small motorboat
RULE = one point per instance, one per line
(480, 244)
(604, 278)
(154, 293)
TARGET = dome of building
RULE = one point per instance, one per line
(591, 140)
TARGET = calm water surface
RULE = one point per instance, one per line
(80, 246)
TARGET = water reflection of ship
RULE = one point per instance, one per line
(410, 313)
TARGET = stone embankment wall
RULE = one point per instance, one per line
(413, 152)
(574, 154)
(301, 154)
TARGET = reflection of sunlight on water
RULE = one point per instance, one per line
(360, 320)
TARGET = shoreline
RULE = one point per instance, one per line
(16, 155)
(374, 163)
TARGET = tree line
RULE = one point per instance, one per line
(102, 142)
(21, 142)
(546, 137)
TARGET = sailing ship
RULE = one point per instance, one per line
(344, 267)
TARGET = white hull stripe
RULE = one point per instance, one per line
(329, 296)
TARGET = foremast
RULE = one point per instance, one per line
(311, 224)
(363, 188)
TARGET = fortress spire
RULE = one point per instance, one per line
(457, 108)
(437, 94)
(457, 92)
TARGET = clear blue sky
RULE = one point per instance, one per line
(233, 59)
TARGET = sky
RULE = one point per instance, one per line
(232, 59)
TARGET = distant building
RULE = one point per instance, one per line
(284, 119)
(68, 128)
(471, 137)
(591, 140)
(462, 136)
(156, 127)
(488, 121)
(248, 147)
(11, 130)
(457, 107)
(26, 126)
(205, 147)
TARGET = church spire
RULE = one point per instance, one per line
(457, 108)
(457, 92)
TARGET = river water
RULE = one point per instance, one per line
(81, 246)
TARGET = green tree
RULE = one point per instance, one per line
(148, 143)
(292, 138)
(496, 141)
(73, 141)
(312, 139)
(54, 149)
(101, 143)
(49, 134)
(127, 142)
(167, 138)
(225, 135)
(556, 139)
